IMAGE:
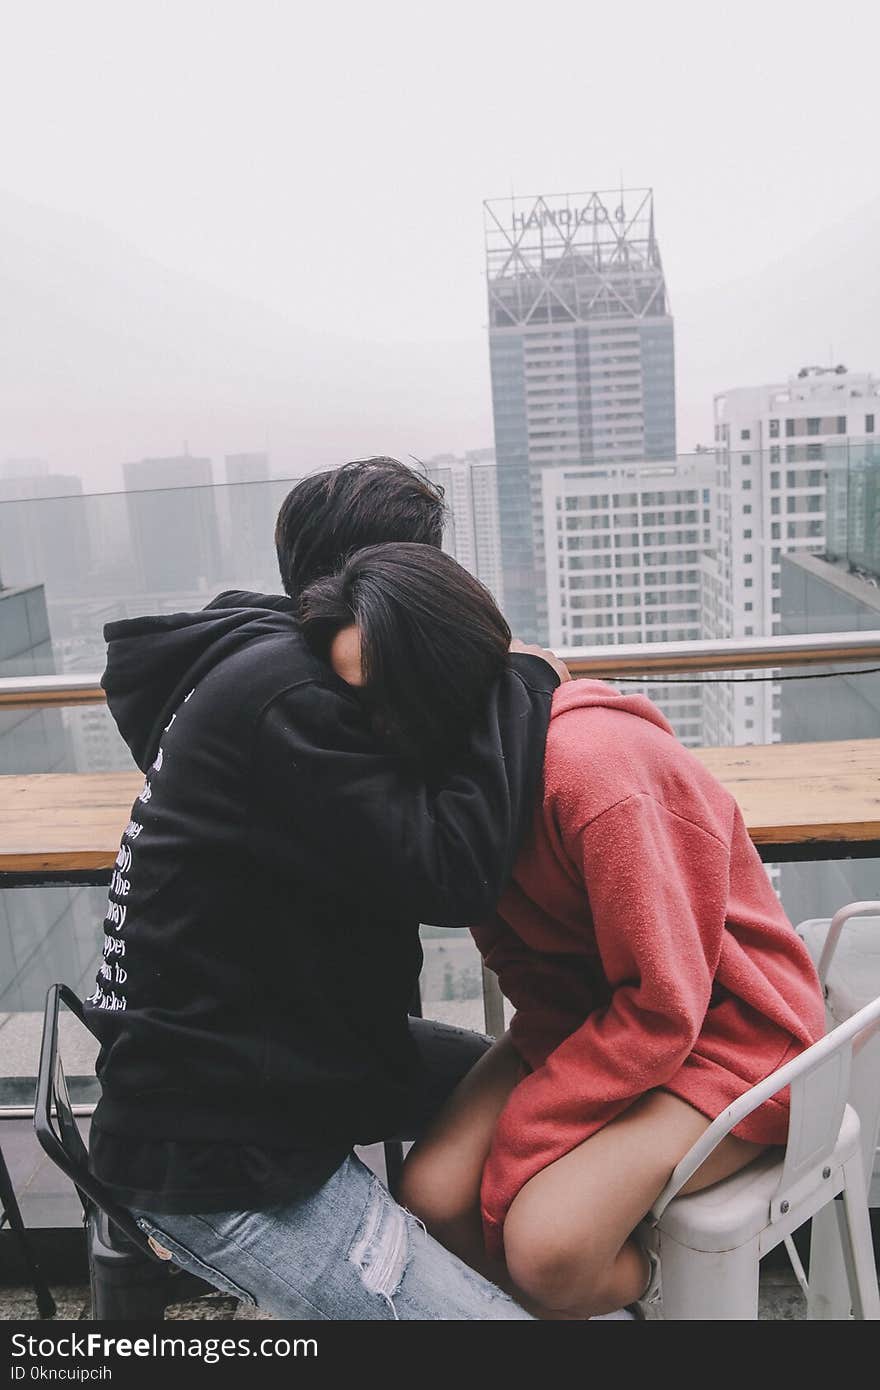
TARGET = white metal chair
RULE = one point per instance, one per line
(848, 964)
(710, 1243)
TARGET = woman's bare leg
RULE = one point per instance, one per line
(567, 1236)
(442, 1173)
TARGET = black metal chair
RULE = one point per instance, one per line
(128, 1280)
(10, 1211)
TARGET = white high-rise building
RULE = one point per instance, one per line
(623, 547)
(779, 448)
(473, 535)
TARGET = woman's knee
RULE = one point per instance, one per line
(550, 1265)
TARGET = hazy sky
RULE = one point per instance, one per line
(329, 163)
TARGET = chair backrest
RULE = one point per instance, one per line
(64, 1143)
(819, 1079)
(849, 971)
(838, 921)
(817, 1101)
(818, 1096)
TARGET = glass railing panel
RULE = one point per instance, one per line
(679, 566)
(47, 934)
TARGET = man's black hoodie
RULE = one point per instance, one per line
(261, 939)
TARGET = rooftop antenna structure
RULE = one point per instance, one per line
(573, 258)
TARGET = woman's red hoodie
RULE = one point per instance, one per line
(641, 943)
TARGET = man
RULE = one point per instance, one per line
(261, 938)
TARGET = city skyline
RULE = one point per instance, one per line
(237, 283)
(582, 355)
(83, 395)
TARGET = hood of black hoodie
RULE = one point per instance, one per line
(152, 663)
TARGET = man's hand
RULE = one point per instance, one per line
(530, 649)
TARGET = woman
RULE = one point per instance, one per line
(654, 972)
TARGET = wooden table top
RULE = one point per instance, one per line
(816, 801)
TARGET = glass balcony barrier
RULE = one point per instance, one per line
(52, 932)
(775, 643)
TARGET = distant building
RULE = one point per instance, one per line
(96, 744)
(800, 417)
(247, 468)
(582, 357)
(173, 523)
(251, 507)
(623, 549)
(781, 450)
(472, 535)
(112, 562)
(44, 533)
(24, 468)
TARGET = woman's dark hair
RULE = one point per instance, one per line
(328, 516)
(433, 642)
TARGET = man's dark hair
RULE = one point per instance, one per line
(328, 516)
(433, 642)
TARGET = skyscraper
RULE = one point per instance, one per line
(472, 534)
(250, 503)
(624, 545)
(582, 359)
(782, 451)
(173, 523)
(247, 468)
(44, 536)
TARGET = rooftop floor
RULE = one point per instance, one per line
(780, 1298)
(47, 1200)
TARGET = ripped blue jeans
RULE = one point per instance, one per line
(346, 1252)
